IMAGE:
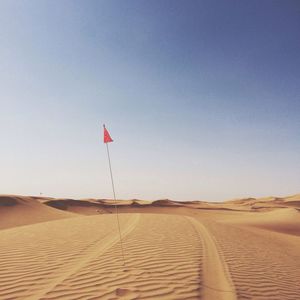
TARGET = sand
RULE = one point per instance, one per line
(191, 250)
(20, 210)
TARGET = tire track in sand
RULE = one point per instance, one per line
(95, 250)
(217, 283)
(163, 261)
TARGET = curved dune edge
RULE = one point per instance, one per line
(284, 220)
(21, 210)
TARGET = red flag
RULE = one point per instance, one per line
(107, 137)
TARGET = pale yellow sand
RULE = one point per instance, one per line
(263, 264)
(171, 252)
(80, 258)
(20, 210)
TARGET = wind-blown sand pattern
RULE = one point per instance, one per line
(80, 259)
(173, 250)
(160, 263)
(263, 264)
(35, 258)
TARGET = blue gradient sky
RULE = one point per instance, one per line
(202, 98)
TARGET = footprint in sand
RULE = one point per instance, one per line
(125, 293)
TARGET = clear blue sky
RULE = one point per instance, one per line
(202, 98)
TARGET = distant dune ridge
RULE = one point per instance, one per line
(69, 249)
(20, 210)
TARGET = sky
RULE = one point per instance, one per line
(202, 98)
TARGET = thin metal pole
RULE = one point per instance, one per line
(116, 206)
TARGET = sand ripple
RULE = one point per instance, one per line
(80, 258)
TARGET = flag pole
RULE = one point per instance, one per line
(115, 200)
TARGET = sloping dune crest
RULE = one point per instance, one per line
(286, 220)
(267, 202)
(21, 210)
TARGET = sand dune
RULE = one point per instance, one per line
(94, 206)
(70, 249)
(267, 202)
(85, 207)
(20, 210)
(286, 220)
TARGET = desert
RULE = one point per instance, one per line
(149, 150)
(70, 249)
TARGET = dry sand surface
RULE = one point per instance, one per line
(69, 249)
(16, 211)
